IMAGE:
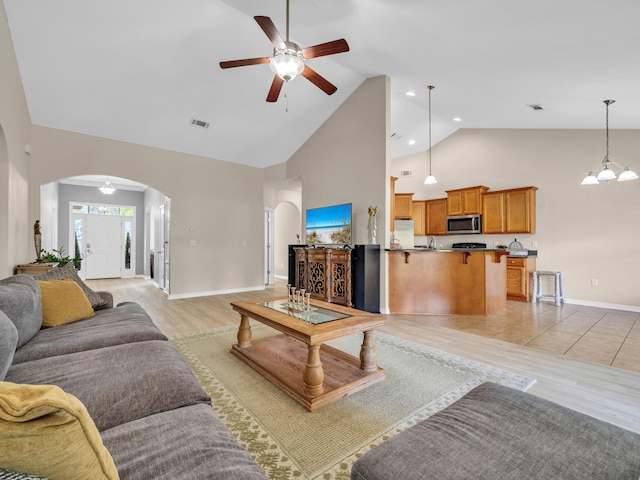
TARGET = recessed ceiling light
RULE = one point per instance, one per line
(457, 119)
(412, 142)
(411, 93)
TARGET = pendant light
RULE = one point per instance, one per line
(107, 188)
(430, 180)
(604, 173)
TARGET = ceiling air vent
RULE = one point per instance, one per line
(406, 173)
(199, 123)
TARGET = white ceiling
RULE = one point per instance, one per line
(141, 70)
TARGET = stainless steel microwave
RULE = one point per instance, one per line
(464, 224)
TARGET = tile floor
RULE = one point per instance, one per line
(608, 337)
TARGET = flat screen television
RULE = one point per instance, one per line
(329, 225)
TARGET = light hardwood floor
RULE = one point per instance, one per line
(527, 339)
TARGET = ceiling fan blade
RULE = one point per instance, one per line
(319, 81)
(274, 91)
(329, 48)
(245, 62)
(270, 31)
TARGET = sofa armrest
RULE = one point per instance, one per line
(108, 297)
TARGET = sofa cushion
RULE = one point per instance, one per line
(127, 323)
(20, 301)
(8, 342)
(63, 301)
(498, 432)
(192, 436)
(48, 432)
(118, 384)
(69, 271)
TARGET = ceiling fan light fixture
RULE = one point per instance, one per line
(287, 64)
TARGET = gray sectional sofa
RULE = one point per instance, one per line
(498, 433)
(152, 415)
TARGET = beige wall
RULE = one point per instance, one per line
(587, 232)
(346, 160)
(16, 232)
(218, 205)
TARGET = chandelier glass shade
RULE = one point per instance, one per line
(608, 170)
(430, 180)
(287, 63)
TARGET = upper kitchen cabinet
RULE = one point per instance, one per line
(435, 216)
(510, 211)
(403, 206)
(465, 201)
(417, 214)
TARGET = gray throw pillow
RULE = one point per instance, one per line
(8, 342)
(69, 271)
(21, 301)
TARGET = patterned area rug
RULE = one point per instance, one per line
(290, 442)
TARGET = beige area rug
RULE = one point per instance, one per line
(290, 442)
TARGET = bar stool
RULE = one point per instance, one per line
(557, 295)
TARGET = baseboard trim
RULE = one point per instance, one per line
(610, 306)
(176, 296)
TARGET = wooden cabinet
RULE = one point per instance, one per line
(418, 216)
(465, 201)
(435, 216)
(325, 273)
(403, 205)
(519, 277)
(35, 268)
(493, 218)
(520, 210)
(510, 211)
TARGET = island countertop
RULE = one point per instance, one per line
(452, 281)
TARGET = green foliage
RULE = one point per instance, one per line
(59, 256)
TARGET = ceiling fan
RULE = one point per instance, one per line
(288, 59)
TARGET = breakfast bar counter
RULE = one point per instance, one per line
(447, 281)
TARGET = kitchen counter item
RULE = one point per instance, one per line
(517, 250)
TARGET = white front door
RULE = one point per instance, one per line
(104, 246)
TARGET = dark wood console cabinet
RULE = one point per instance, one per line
(325, 273)
(348, 277)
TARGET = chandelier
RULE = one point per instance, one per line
(107, 188)
(605, 172)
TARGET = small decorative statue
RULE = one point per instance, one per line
(37, 240)
(372, 227)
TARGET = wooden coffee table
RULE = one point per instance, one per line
(298, 362)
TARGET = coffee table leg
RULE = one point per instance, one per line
(368, 353)
(313, 376)
(244, 332)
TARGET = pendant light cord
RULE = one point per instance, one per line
(430, 87)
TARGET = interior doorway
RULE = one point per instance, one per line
(269, 268)
(103, 237)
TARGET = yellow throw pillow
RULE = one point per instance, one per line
(63, 301)
(47, 432)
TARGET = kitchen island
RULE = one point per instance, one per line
(455, 281)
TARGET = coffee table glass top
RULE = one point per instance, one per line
(315, 315)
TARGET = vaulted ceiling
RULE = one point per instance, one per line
(141, 70)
